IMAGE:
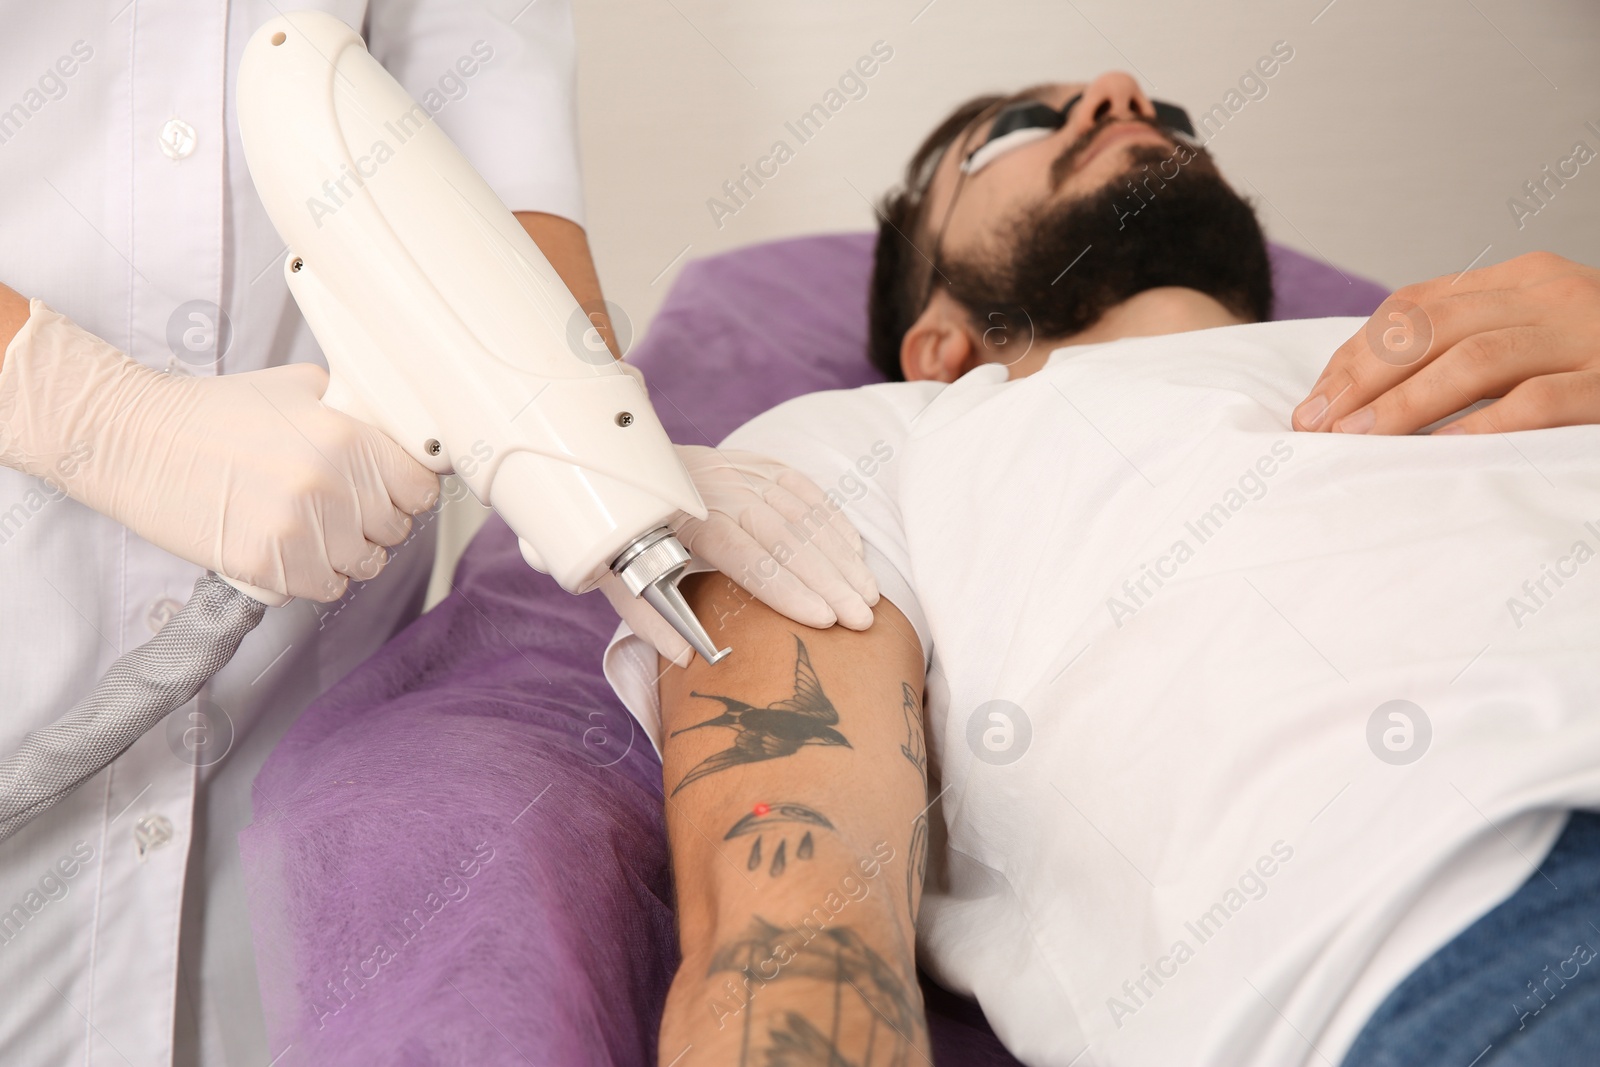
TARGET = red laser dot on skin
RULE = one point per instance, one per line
(761, 809)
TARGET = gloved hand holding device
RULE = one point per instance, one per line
(249, 475)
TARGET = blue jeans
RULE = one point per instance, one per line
(1518, 988)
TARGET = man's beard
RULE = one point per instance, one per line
(1073, 261)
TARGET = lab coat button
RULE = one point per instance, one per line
(151, 832)
(177, 139)
(161, 611)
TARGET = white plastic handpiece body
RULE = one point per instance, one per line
(442, 322)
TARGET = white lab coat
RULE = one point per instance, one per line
(123, 197)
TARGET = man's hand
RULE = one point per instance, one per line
(250, 474)
(1527, 330)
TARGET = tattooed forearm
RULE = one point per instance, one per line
(915, 749)
(859, 1010)
(804, 721)
(765, 818)
(780, 729)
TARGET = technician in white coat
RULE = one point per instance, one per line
(126, 206)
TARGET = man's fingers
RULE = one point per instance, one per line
(1394, 342)
(1571, 399)
(1399, 341)
(1384, 352)
(1483, 365)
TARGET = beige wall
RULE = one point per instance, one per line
(1389, 144)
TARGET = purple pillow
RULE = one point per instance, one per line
(458, 853)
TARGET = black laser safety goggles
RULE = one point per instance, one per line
(1031, 120)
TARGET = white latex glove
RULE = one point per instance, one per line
(771, 530)
(249, 475)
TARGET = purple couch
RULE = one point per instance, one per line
(458, 853)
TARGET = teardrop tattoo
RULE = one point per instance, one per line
(771, 817)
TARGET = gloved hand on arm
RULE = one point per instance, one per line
(775, 533)
(249, 474)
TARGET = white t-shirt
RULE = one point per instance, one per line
(1188, 833)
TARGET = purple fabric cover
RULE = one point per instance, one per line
(458, 853)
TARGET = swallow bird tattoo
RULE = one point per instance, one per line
(781, 729)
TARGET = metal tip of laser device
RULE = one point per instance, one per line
(666, 598)
(651, 567)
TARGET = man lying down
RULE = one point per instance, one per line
(1182, 736)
